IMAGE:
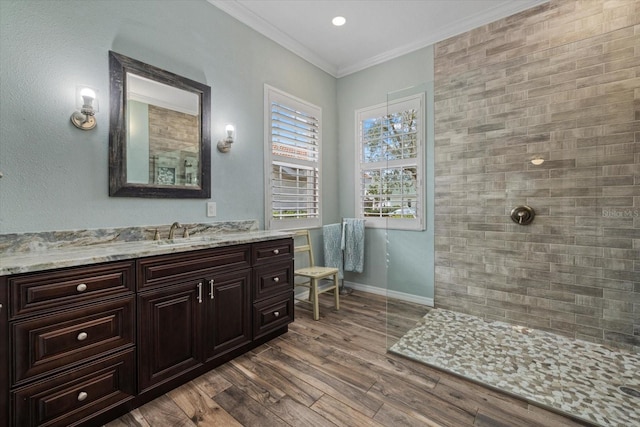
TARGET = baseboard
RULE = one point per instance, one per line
(402, 296)
(391, 294)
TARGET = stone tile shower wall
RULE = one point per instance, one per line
(560, 82)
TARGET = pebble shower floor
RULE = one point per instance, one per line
(579, 378)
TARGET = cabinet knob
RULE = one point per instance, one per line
(276, 279)
(82, 396)
(276, 314)
(276, 251)
(82, 336)
(81, 287)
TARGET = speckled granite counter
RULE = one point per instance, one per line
(29, 252)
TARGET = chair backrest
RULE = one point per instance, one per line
(306, 246)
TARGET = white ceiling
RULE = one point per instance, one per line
(376, 30)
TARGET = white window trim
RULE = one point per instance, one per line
(273, 94)
(418, 223)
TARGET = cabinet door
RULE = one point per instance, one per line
(228, 317)
(169, 332)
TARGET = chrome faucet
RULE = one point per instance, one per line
(173, 229)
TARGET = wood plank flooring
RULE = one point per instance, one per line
(336, 371)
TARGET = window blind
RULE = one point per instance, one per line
(294, 166)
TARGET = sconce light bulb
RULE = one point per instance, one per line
(84, 119)
(88, 93)
(224, 145)
(88, 96)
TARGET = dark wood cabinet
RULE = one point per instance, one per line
(84, 345)
(272, 286)
(193, 308)
(272, 313)
(4, 351)
(270, 280)
(45, 344)
(228, 315)
(39, 292)
(164, 269)
(71, 341)
(169, 332)
(78, 395)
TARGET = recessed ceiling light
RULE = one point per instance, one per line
(338, 21)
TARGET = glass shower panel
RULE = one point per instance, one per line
(408, 203)
(617, 230)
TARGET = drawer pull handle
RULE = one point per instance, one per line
(82, 396)
(276, 314)
(200, 292)
(81, 287)
(82, 336)
(276, 251)
(276, 279)
(211, 282)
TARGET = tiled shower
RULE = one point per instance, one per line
(559, 83)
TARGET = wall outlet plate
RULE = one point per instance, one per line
(211, 209)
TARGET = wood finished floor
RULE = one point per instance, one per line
(336, 372)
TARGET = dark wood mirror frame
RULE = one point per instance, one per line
(119, 65)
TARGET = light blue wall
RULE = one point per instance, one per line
(410, 253)
(56, 176)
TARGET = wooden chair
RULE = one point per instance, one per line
(313, 274)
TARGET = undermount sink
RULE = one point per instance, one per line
(188, 241)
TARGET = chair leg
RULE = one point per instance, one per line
(316, 305)
(336, 291)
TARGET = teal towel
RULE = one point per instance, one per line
(353, 244)
(331, 237)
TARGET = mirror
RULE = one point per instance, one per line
(159, 132)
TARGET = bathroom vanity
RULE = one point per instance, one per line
(92, 340)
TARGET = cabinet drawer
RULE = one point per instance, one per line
(271, 314)
(60, 289)
(66, 400)
(49, 342)
(162, 270)
(272, 251)
(270, 280)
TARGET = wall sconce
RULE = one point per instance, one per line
(84, 119)
(224, 145)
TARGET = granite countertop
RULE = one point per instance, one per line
(92, 251)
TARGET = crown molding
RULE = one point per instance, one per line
(247, 17)
(493, 14)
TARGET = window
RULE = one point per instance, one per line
(390, 164)
(292, 161)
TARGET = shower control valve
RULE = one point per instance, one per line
(522, 215)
